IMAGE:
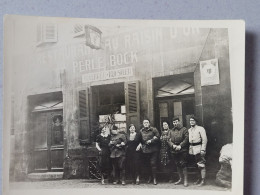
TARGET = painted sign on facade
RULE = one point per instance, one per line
(209, 72)
(109, 74)
(158, 49)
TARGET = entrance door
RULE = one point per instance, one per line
(174, 97)
(48, 141)
(167, 109)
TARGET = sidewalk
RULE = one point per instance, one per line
(84, 183)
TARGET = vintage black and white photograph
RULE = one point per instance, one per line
(123, 104)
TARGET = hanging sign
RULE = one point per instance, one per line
(209, 72)
(93, 37)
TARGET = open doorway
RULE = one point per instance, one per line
(174, 97)
(108, 106)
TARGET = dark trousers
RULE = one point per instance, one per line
(150, 159)
(118, 165)
(133, 165)
(180, 159)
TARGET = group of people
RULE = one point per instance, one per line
(130, 153)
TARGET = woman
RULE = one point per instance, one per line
(102, 143)
(164, 151)
(132, 156)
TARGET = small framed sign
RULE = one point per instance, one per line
(209, 72)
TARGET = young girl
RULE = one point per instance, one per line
(133, 156)
(102, 142)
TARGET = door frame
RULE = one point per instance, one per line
(49, 148)
(169, 100)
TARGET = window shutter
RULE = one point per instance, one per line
(132, 103)
(83, 103)
(46, 33)
(50, 32)
(84, 128)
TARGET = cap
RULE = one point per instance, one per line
(176, 118)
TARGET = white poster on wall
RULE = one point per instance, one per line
(209, 72)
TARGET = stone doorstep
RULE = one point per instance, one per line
(45, 176)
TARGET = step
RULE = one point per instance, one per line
(45, 176)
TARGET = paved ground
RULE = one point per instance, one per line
(83, 183)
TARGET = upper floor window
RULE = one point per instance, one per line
(46, 33)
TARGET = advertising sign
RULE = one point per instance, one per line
(209, 72)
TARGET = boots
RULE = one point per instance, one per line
(102, 179)
(123, 177)
(185, 173)
(180, 176)
(203, 175)
(202, 182)
(154, 175)
(197, 182)
(137, 180)
(154, 181)
(149, 179)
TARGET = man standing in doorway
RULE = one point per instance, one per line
(198, 143)
(149, 144)
(179, 144)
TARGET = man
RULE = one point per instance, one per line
(178, 143)
(198, 143)
(117, 148)
(149, 143)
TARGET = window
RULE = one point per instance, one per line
(57, 130)
(84, 129)
(46, 33)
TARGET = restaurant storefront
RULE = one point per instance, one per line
(145, 72)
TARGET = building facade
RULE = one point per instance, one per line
(63, 88)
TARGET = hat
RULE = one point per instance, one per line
(176, 118)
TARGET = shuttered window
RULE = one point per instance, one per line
(50, 33)
(132, 97)
(132, 103)
(82, 103)
(84, 128)
(47, 33)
